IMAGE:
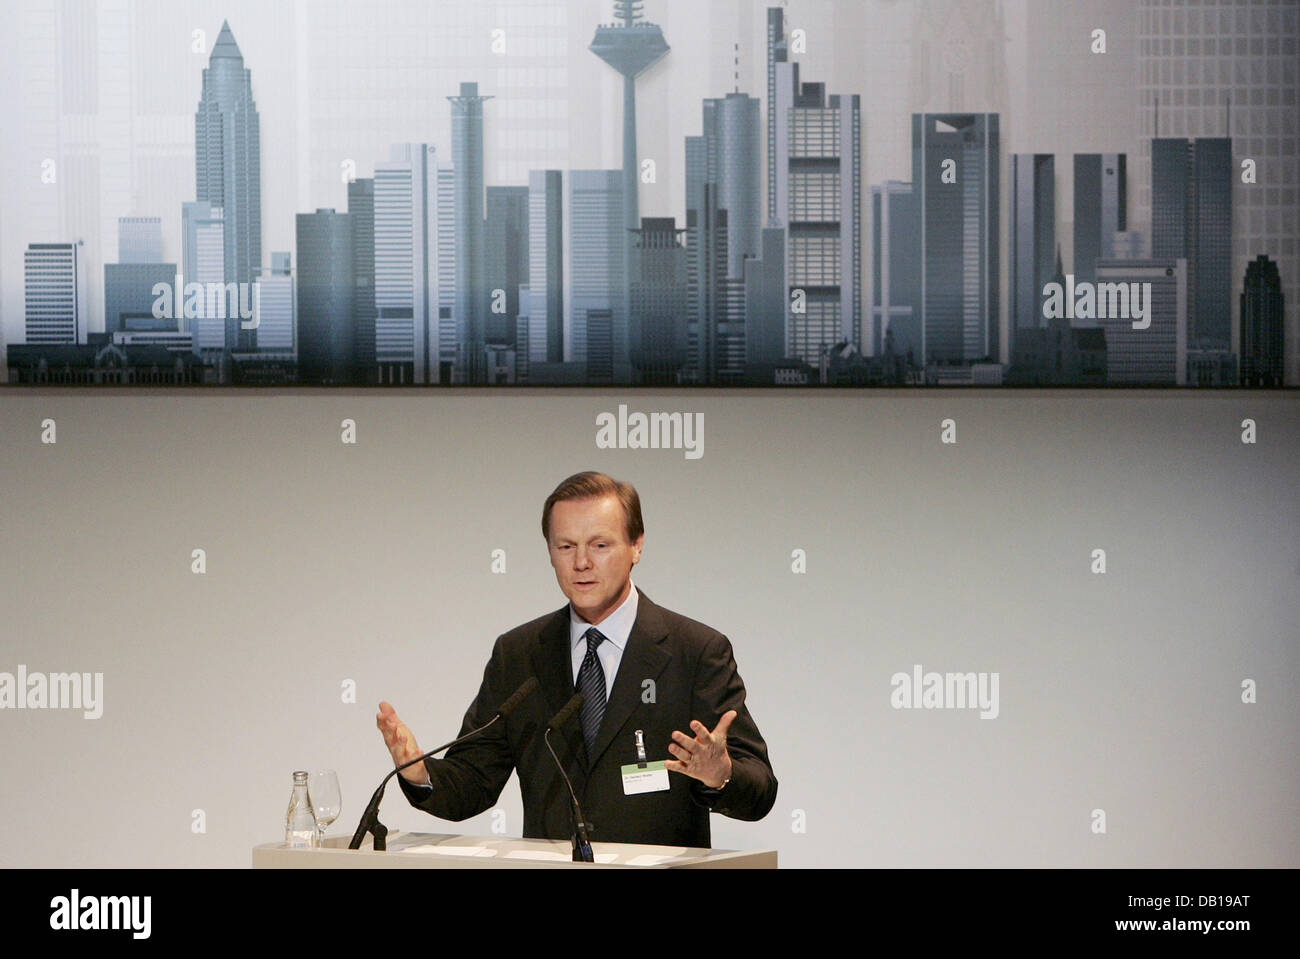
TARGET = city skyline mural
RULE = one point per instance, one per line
(622, 193)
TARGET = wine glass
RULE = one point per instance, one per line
(326, 802)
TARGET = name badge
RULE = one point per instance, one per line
(650, 778)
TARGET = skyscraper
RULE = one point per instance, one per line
(1033, 236)
(765, 301)
(732, 131)
(275, 306)
(1100, 210)
(955, 170)
(203, 246)
(1227, 68)
(819, 201)
(450, 324)
(414, 278)
(227, 156)
(55, 288)
(706, 244)
(505, 259)
(1262, 314)
(361, 206)
(778, 51)
(723, 219)
(471, 289)
(326, 297)
(546, 260)
(595, 284)
(1191, 218)
(657, 325)
(1157, 355)
(896, 268)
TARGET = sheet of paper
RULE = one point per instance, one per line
(453, 850)
(648, 860)
(546, 855)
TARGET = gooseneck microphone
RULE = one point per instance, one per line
(370, 818)
(581, 844)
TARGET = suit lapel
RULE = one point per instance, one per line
(551, 661)
(553, 667)
(644, 658)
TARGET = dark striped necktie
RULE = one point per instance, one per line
(591, 683)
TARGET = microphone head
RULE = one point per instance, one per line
(563, 716)
(523, 692)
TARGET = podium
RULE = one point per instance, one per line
(417, 850)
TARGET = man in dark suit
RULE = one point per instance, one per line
(646, 673)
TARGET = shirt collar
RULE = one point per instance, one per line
(616, 627)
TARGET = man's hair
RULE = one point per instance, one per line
(591, 485)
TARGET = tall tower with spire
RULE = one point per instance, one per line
(227, 156)
(631, 47)
(471, 288)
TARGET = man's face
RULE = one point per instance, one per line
(591, 554)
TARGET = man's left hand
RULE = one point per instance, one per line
(705, 757)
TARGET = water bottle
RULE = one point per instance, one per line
(300, 821)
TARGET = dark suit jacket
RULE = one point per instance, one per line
(694, 677)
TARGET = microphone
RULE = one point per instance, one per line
(523, 692)
(581, 844)
(370, 818)
(566, 712)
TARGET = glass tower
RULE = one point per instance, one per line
(227, 159)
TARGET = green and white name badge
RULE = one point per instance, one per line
(642, 776)
(650, 778)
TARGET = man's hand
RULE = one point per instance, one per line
(401, 744)
(705, 757)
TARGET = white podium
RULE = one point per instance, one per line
(417, 850)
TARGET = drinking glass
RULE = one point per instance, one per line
(326, 802)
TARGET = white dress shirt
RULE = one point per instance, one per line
(616, 627)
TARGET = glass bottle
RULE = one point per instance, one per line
(299, 821)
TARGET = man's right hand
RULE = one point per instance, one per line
(401, 744)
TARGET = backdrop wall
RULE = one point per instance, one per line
(371, 564)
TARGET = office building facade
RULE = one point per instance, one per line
(955, 162)
(54, 278)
